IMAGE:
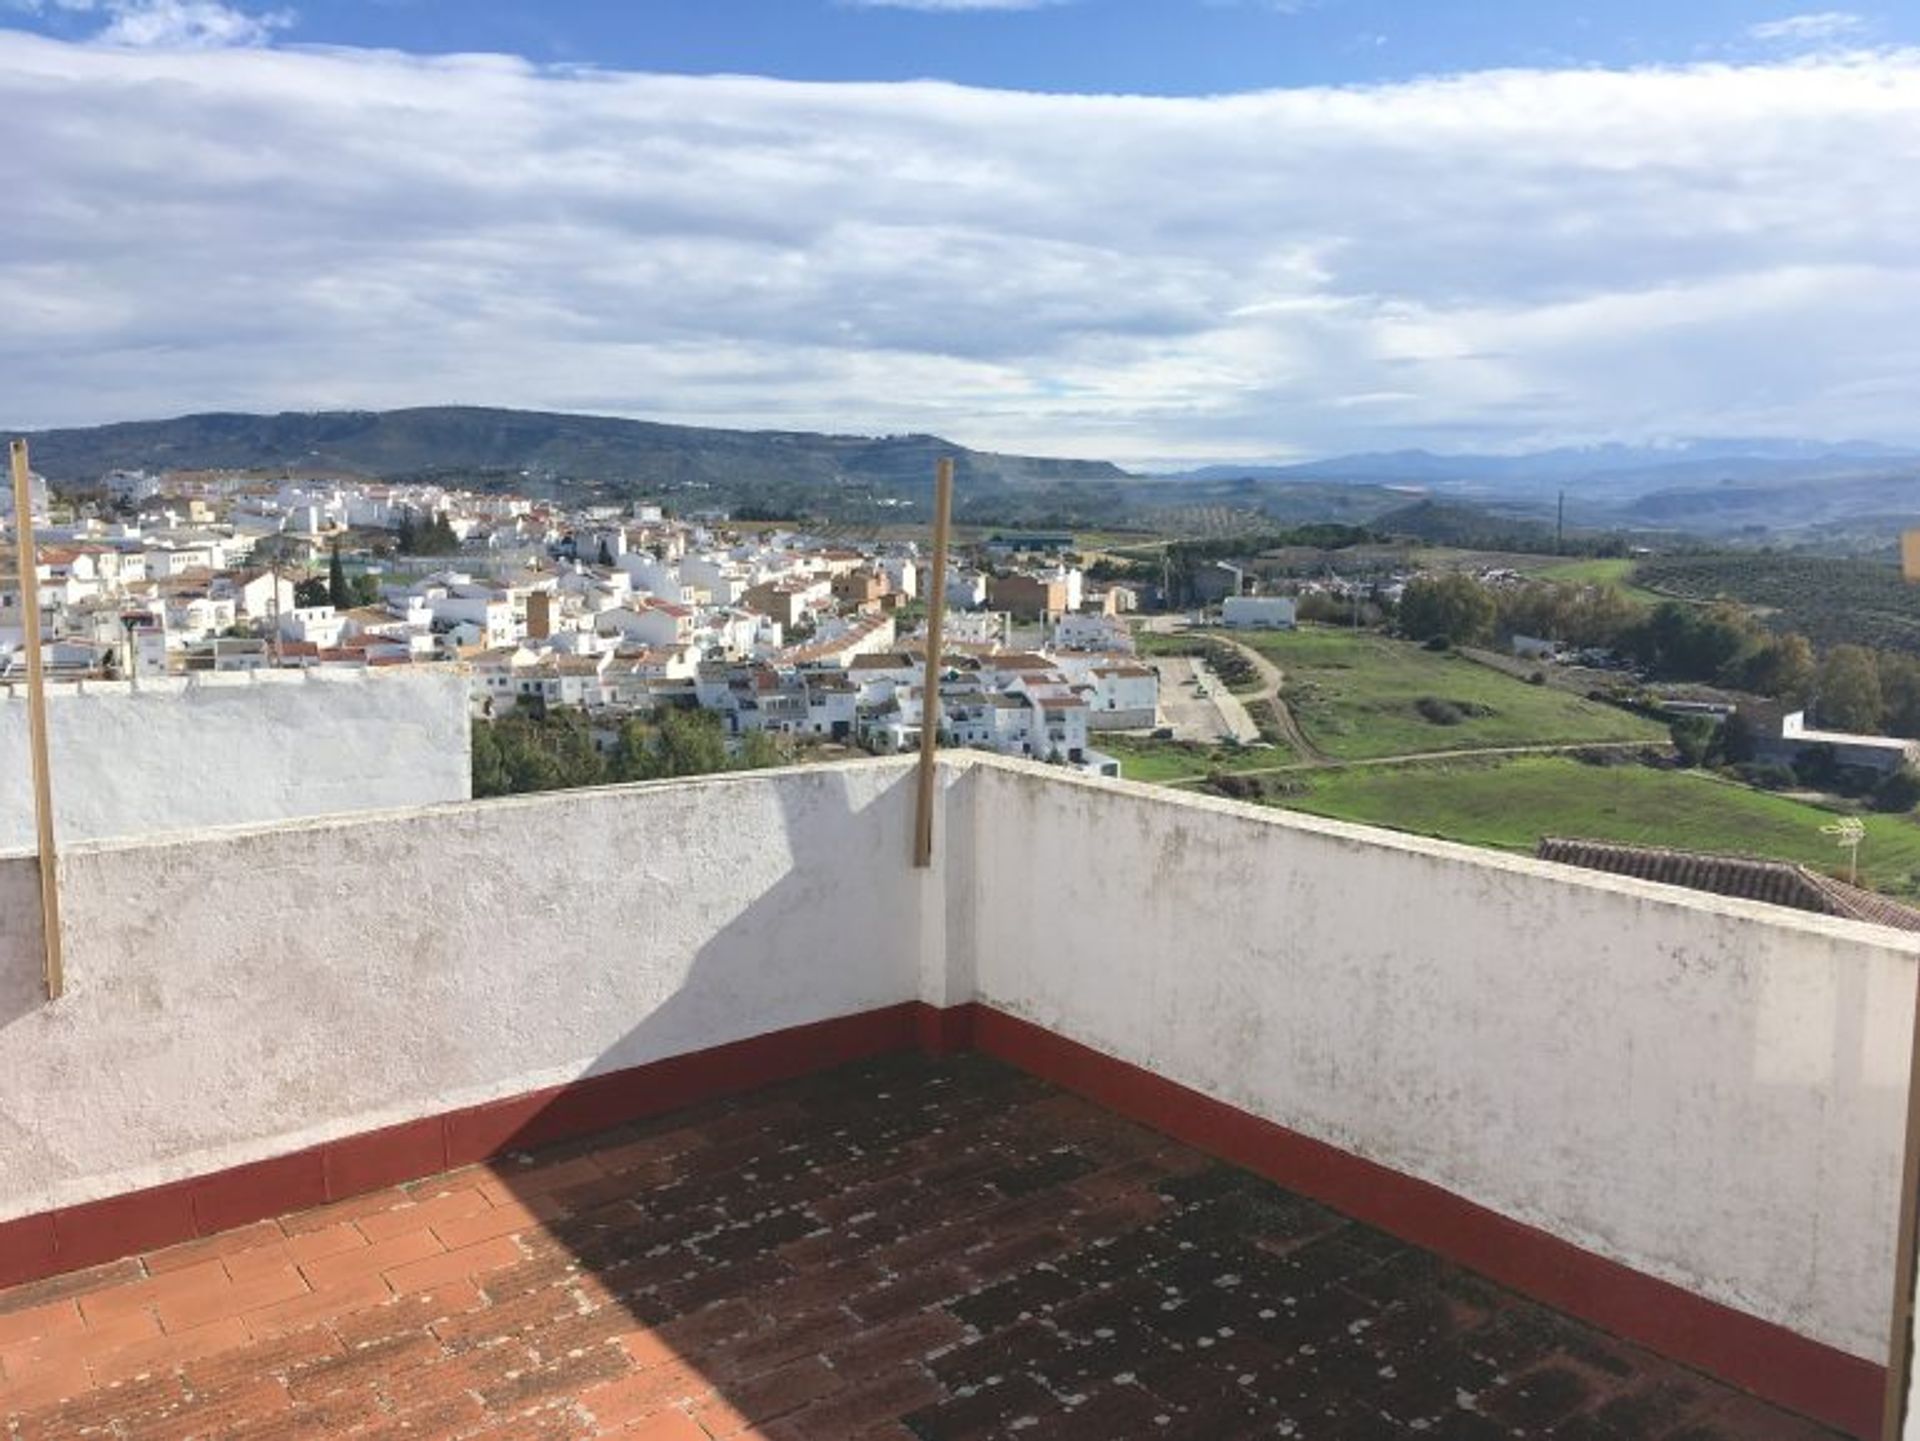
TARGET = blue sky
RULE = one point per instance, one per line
(1158, 47)
(1156, 231)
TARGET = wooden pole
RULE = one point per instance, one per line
(29, 558)
(930, 712)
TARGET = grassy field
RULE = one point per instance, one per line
(1511, 804)
(1158, 762)
(1617, 573)
(1357, 695)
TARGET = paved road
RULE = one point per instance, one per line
(1220, 712)
(1272, 678)
(1191, 716)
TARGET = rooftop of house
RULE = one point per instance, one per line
(1780, 883)
(903, 1248)
(1682, 1123)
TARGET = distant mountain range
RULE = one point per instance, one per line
(1795, 488)
(546, 447)
(1712, 460)
(1786, 490)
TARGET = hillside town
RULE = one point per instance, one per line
(617, 611)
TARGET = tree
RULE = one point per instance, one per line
(1900, 689)
(690, 743)
(1739, 738)
(406, 539)
(338, 596)
(1783, 667)
(1692, 738)
(1455, 606)
(1899, 792)
(606, 554)
(758, 750)
(312, 591)
(1850, 698)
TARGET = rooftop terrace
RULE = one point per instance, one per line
(1528, 1151)
(906, 1247)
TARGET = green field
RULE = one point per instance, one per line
(1356, 694)
(1510, 804)
(1158, 762)
(1617, 573)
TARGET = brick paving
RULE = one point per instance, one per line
(902, 1249)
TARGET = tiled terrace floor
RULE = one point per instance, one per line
(906, 1248)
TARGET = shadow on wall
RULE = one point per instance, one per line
(23, 986)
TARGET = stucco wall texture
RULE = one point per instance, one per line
(236, 749)
(1705, 1090)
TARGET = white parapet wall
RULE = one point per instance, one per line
(1711, 1092)
(1707, 1091)
(150, 757)
(245, 993)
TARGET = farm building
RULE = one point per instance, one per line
(1264, 612)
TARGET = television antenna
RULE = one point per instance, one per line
(1848, 832)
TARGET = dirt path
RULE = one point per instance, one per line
(1272, 679)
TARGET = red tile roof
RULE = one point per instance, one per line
(1779, 883)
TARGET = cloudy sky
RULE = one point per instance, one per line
(1146, 230)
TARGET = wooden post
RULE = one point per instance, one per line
(29, 558)
(930, 712)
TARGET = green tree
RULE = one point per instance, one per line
(1900, 689)
(338, 596)
(758, 750)
(634, 758)
(1850, 698)
(406, 538)
(1784, 667)
(690, 743)
(1693, 737)
(491, 776)
(364, 590)
(1455, 606)
(1899, 792)
(312, 591)
(606, 554)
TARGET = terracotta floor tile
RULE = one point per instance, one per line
(904, 1250)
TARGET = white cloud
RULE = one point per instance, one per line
(1487, 258)
(169, 24)
(1811, 28)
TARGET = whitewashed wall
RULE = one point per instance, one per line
(236, 749)
(1708, 1091)
(244, 993)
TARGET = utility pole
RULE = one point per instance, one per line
(1560, 527)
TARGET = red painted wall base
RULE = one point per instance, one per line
(1766, 1359)
(1770, 1361)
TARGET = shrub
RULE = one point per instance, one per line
(1538, 677)
(1899, 792)
(1767, 775)
(1439, 642)
(1440, 712)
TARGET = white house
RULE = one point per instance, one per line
(319, 625)
(1124, 697)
